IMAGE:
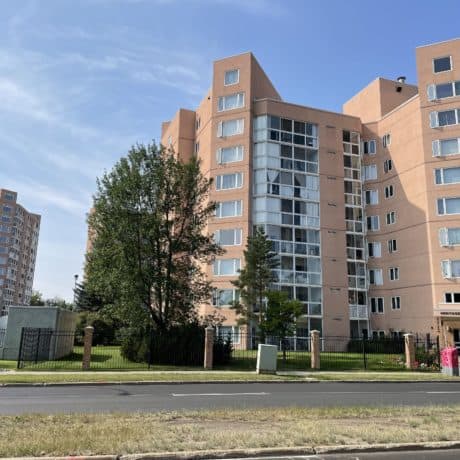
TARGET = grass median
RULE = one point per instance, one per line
(119, 377)
(63, 435)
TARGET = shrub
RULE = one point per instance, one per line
(427, 359)
(385, 346)
(222, 351)
(179, 345)
(104, 329)
(135, 344)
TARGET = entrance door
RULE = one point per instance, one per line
(457, 339)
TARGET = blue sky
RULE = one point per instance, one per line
(83, 80)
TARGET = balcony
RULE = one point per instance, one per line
(358, 312)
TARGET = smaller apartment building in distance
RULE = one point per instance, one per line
(362, 207)
(19, 230)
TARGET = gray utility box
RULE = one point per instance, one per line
(266, 359)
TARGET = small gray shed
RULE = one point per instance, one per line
(49, 318)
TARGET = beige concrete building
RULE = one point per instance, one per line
(19, 230)
(362, 207)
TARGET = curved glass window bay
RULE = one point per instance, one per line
(286, 205)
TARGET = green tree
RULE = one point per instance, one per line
(36, 299)
(59, 302)
(149, 242)
(87, 300)
(281, 316)
(255, 278)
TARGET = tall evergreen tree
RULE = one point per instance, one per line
(255, 278)
(281, 316)
(149, 244)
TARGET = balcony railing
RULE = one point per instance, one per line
(358, 312)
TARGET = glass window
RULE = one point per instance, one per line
(231, 77)
(369, 147)
(370, 172)
(229, 181)
(387, 165)
(286, 125)
(392, 247)
(228, 237)
(376, 276)
(447, 175)
(449, 206)
(449, 146)
(374, 249)
(452, 297)
(447, 117)
(373, 223)
(444, 90)
(442, 64)
(230, 127)
(230, 102)
(396, 303)
(372, 197)
(230, 154)
(229, 208)
(223, 297)
(393, 273)
(226, 267)
(386, 140)
(389, 191)
(391, 218)
(377, 305)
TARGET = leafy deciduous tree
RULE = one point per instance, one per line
(149, 244)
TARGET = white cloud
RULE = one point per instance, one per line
(18, 100)
(40, 196)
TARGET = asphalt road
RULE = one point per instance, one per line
(451, 454)
(151, 398)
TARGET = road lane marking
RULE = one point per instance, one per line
(441, 392)
(220, 394)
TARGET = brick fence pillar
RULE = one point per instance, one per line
(315, 349)
(409, 342)
(208, 347)
(87, 344)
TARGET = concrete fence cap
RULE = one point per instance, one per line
(89, 328)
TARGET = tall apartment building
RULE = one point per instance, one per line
(19, 231)
(362, 207)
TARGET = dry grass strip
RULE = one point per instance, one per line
(59, 435)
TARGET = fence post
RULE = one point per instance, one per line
(409, 348)
(87, 343)
(364, 352)
(208, 347)
(21, 344)
(315, 348)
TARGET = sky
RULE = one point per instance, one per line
(83, 80)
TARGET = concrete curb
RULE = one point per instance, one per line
(262, 452)
(195, 382)
(149, 382)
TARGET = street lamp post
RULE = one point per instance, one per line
(75, 277)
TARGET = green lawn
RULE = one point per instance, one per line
(301, 360)
(109, 358)
(102, 358)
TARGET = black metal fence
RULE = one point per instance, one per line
(47, 349)
(57, 350)
(336, 353)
